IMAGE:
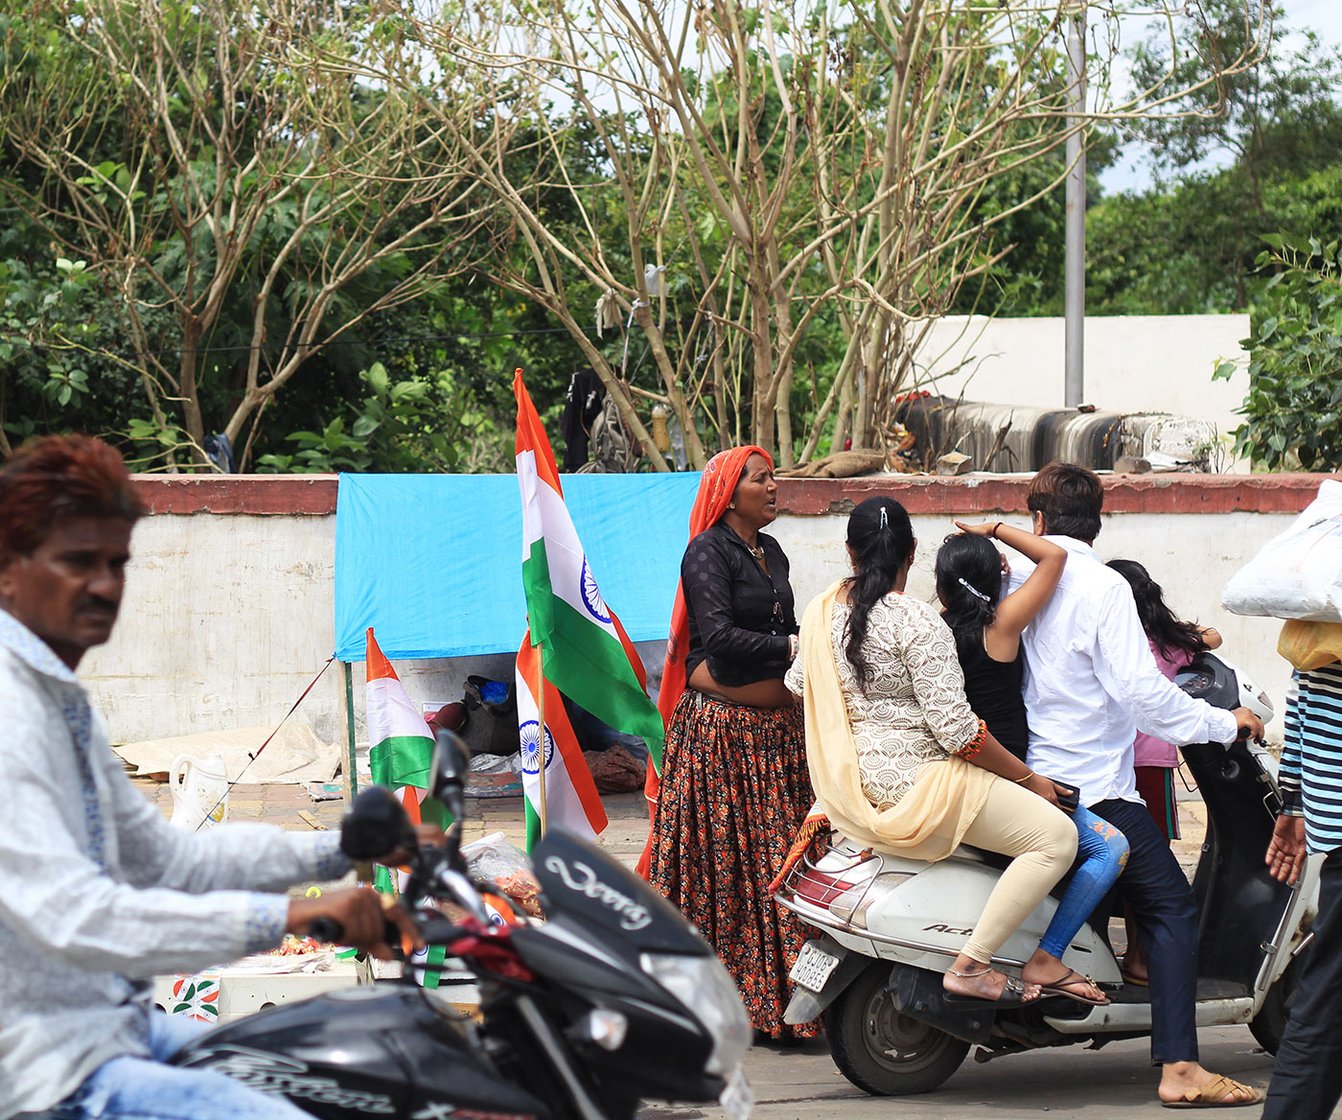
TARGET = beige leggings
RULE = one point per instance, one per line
(1042, 840)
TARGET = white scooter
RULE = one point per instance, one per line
(891, 926)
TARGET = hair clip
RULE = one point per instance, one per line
(885, 520)
(973, 590)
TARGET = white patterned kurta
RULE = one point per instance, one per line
(913, 710)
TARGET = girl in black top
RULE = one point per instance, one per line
(987, 630)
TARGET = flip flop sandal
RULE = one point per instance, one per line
(1217, 1094)
(1063, 985)
(1012, 995)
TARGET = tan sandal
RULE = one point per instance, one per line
(1219, 1092)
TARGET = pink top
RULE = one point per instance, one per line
(1147, 749)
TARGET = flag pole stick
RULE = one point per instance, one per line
(540, 738)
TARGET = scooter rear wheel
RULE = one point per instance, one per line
(883, 1051)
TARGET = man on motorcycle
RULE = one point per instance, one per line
(1090, 684)
(97, 892)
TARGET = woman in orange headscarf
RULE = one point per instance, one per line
(734, 784)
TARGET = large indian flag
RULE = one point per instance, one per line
(571, 798)
(585, 652)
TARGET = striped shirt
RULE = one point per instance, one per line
(1311, 756)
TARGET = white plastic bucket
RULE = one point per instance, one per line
(199, 792)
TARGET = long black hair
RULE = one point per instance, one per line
(881, 537)
(969, 585)
(1169, 632)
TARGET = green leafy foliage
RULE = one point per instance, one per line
(419, 423)
(1294, 406)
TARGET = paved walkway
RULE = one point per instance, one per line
(289, 806)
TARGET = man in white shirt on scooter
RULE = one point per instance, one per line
(1090, 684)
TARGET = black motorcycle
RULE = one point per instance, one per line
(613, 999)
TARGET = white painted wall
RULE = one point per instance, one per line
(1134, 363)
(227, 618)
(1190, 555)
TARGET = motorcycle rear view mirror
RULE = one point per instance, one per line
(375, 826)
(449, 771)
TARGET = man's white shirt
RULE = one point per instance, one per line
(1091, 683)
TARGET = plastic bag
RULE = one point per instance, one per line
(494, 775)
(1310, 645)
(508, 868)
(1297, 574)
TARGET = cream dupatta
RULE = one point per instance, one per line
(929, 821)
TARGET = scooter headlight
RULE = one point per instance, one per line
(708, 993)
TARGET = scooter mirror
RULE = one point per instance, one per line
(449, 770)
(375, 826)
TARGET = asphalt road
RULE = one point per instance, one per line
(1115, 1082)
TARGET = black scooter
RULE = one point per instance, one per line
(892, 925)
(613, 999)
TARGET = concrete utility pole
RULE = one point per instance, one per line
(1074, 267)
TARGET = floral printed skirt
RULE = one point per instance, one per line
(734, 790)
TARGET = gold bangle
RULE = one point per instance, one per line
(1025, 778)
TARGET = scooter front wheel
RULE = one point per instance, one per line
(880, 1049)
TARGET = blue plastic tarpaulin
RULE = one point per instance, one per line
(434, 562)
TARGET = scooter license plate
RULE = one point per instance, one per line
(737, 1100)
(814, 966)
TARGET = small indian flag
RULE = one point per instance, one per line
(585, 651)
(571, 799)
(400, 744)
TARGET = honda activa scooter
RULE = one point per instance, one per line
(613, 999)
(892, 926)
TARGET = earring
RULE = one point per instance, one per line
(731, 505)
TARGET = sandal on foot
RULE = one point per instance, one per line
(1064, 986)
(1131, 977)
(1011, 995)
(1219, 1092)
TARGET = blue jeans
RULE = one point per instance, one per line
(146, 1089)
(1155, 886)
(1103, 851)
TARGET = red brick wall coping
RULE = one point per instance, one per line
(315, 495)
(1165, 493)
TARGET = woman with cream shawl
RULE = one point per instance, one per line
(899, 761)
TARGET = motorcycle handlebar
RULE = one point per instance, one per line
(326, 929)
(331, 931)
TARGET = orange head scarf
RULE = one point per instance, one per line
(716, 486)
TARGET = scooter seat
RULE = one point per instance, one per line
(981, 855)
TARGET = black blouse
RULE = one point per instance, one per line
(740, 617)
(994, 692)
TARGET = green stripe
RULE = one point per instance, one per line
(587, 664)
(402, 760)
(405, 760)
(533, 824)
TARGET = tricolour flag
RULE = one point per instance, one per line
(585, 652)
(400, 743)
(571, 799)
(400, 756)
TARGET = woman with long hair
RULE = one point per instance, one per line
(734, 785)
(987, 627)
(1174, 643)
(900, 761)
